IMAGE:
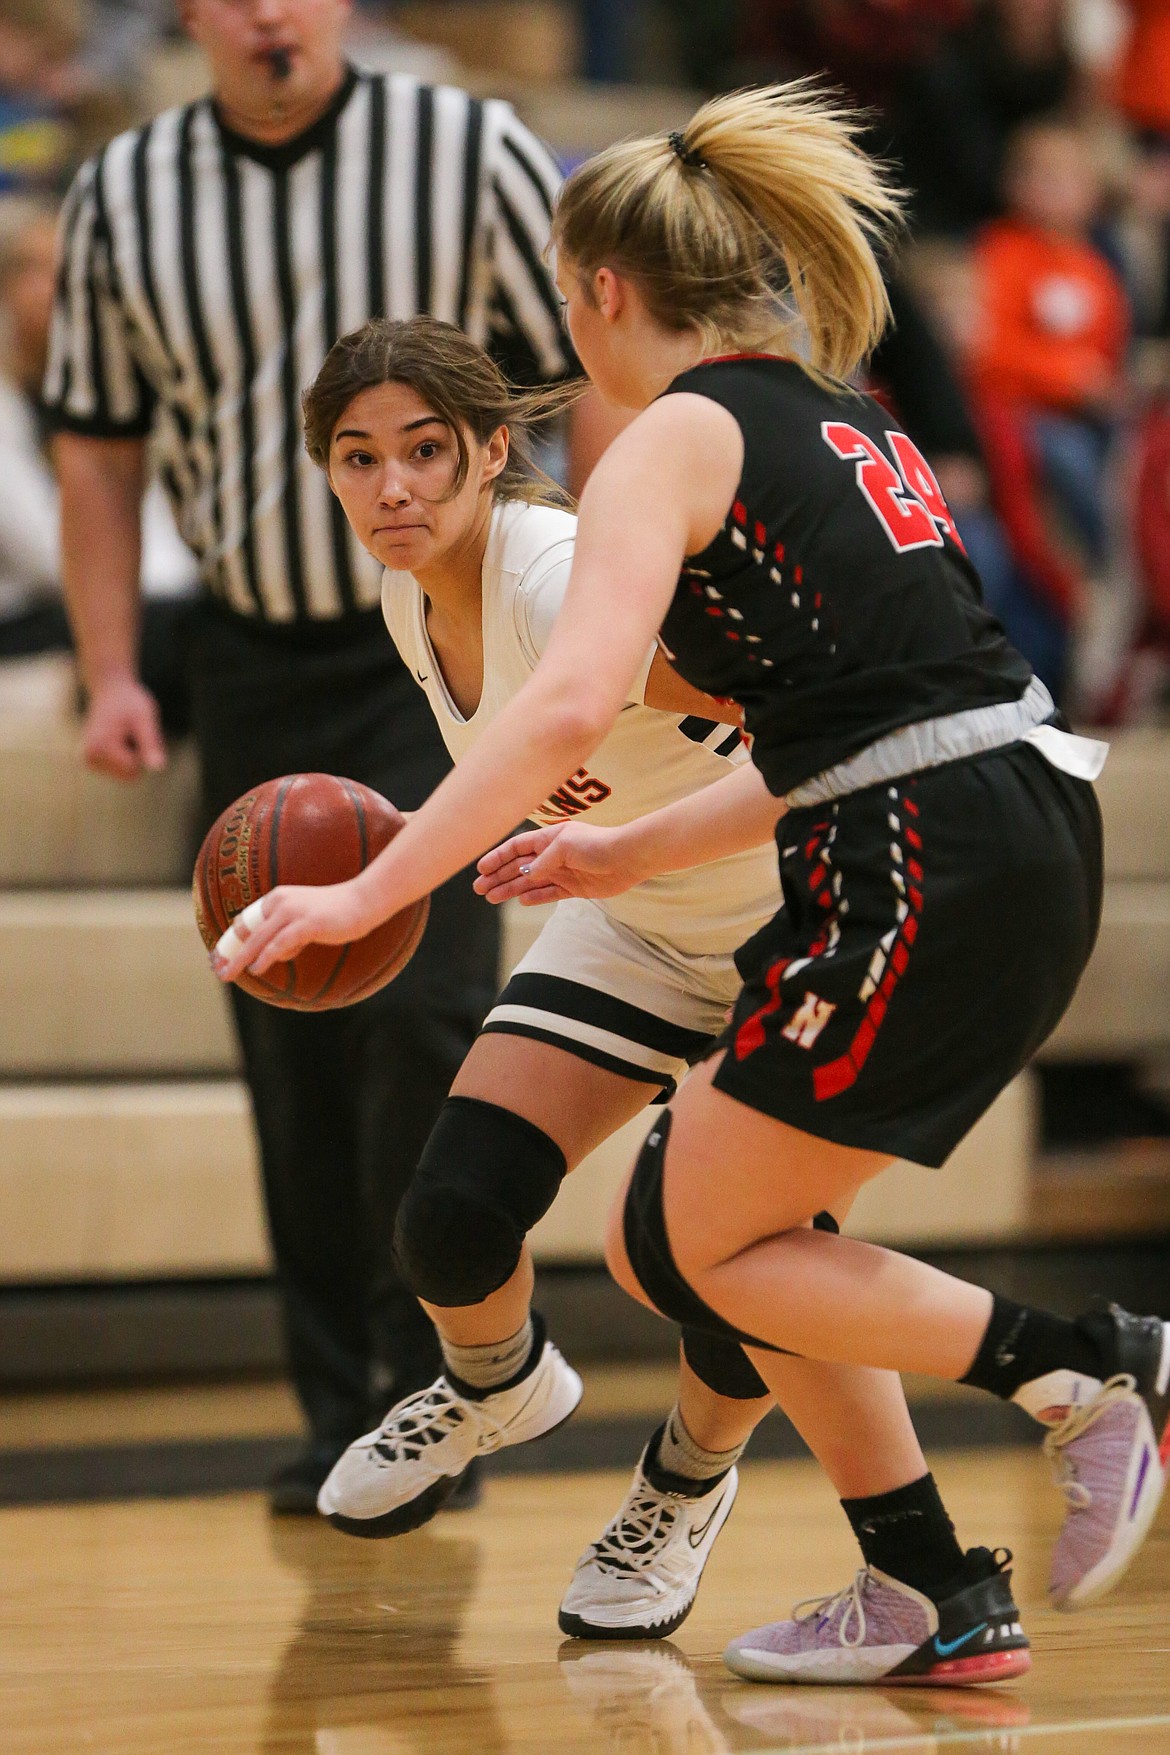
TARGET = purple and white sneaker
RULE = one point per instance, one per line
(879, 1630)
(1110, 1452)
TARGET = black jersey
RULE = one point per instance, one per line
(837, 603)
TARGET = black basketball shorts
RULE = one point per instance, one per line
(932, 935)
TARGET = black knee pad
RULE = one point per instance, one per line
(722, 1365)
(485, 1177)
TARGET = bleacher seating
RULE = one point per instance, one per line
(126, 1147)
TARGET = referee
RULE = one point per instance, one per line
(210, 259)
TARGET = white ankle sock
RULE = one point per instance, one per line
(488, 1366)
(678, 1454)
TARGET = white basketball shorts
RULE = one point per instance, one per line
(635, 1005)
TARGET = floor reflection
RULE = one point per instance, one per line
(374, 1667)
(859, 1719)
(650, 1700)
(641, 1697)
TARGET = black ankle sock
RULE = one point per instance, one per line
(1022, 1343)
(908, 1534)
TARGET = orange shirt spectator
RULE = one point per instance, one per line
(1047, 362)
(1054, 319)
(1053, 315)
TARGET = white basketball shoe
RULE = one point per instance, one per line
(640, 1578)
(396, 1478)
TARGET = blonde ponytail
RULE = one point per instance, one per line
(765, 196)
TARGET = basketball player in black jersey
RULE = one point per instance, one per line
(939, 841)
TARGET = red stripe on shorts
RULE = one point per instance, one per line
(837, 1075)
(751, 1033)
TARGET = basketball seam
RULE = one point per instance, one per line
(267, 802)
(406, 952)
(282, 793)
(359, 811)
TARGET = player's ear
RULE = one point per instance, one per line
(496, 454)
(609, 294)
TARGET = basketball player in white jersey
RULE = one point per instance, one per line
(424, 445)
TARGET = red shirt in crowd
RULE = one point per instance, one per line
(1143, 82)
(1054, 319)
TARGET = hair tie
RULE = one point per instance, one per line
(687, 155)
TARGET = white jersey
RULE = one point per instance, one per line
(647, 760)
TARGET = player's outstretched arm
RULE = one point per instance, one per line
(656, 496)
(579, 859)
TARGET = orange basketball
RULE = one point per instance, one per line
(305, 829)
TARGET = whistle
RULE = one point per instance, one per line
(280, 61)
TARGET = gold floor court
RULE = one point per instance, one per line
(202, 1624)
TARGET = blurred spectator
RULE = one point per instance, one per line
(1051, 342)
(865, 46)
(1142, 90)
(946, 80)
(954, 113)
(32, 615)
(121, 36)
(1143, 686)
(912, 368)
(1027, 582)
(1143, 84)
(910, 364)
(39, 40)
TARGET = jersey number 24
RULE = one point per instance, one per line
(907, 501)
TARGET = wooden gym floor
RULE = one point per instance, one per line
(202, 1624)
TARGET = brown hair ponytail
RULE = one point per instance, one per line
(764, 195)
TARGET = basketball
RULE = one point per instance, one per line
(305, 829)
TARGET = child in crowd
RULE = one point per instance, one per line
(1051, 341)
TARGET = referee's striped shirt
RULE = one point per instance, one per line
(204, 277)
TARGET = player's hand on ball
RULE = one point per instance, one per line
(284, 921)
(549, 865)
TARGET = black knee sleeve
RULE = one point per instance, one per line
(722, 1365)
(485, 1177)
(649, 1252)
(654, 1266)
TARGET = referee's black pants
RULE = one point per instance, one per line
(343, 1100)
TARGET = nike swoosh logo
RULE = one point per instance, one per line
(697, 1536)
(420, 676)
(945, 1648)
